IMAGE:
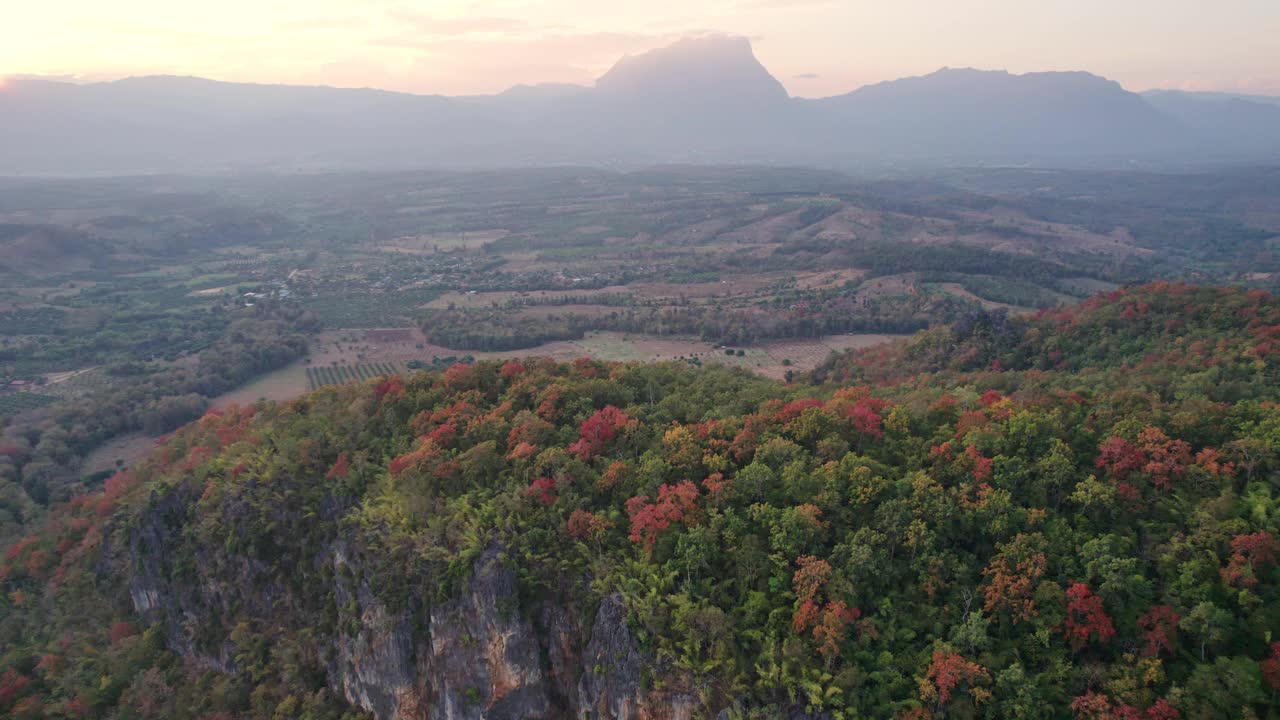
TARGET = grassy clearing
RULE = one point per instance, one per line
(284, 384)
(213, 280)
(120, 452)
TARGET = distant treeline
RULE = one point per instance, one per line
(43, 455)
(808, 315)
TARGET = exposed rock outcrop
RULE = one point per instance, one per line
(484, 659)
(373, 667)
(477, 656)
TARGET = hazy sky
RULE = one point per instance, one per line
(815, 47)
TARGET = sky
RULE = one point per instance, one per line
(815, 47)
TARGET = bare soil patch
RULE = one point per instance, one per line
(210, 291)
(54, 378)
(387, 336)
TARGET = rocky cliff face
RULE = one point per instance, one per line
(480, 659)
(610, 684)
(478, 656)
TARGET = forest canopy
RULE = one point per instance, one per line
(1072, 514)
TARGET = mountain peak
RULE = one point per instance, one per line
(709, 69)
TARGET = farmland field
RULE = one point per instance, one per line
(342, 374)
(347, 356)
(370, 310)
(14, 403)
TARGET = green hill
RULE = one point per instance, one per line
(1068, 515)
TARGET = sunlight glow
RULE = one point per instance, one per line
(814, 47)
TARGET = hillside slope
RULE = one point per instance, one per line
(1049, 526)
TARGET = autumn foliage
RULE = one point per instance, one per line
(12, 684)
(390, 388)
(999, 537)
(827, 620)
(584, 524)
(1249, 553)
(1012, 578)
(811, 575)
(676, 503)
(122, 630)
(949, 671)
(1097, 706)
(340, 467)
(597, 430)
(543, 490)
(1162, 460)
(1270, 667)
(1086, 620)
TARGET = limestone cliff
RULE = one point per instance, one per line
(477, 656)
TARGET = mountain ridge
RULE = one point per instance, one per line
(551, 86)
(703, 99)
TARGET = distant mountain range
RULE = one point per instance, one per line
(704, 99)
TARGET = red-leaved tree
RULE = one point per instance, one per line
(1271, 667)
(949, 671)
(1097, 706)
(1013, 576)
(12, 683)
(676, 504)
(1162, 459)
(1085, 617)
(542, 490)
(584, 524)
(1159, 630)
(597, 430)
(1249, 553)
(340, 467)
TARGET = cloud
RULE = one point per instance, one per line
(324, 23)
(464, 64)
(49, 77)
(453, 26)
(807, 76)
(590, 47)
(784, 4)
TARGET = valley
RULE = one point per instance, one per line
(770, 270)
(807, 422)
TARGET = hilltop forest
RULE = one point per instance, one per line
(129, 306)
(1069, 514)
